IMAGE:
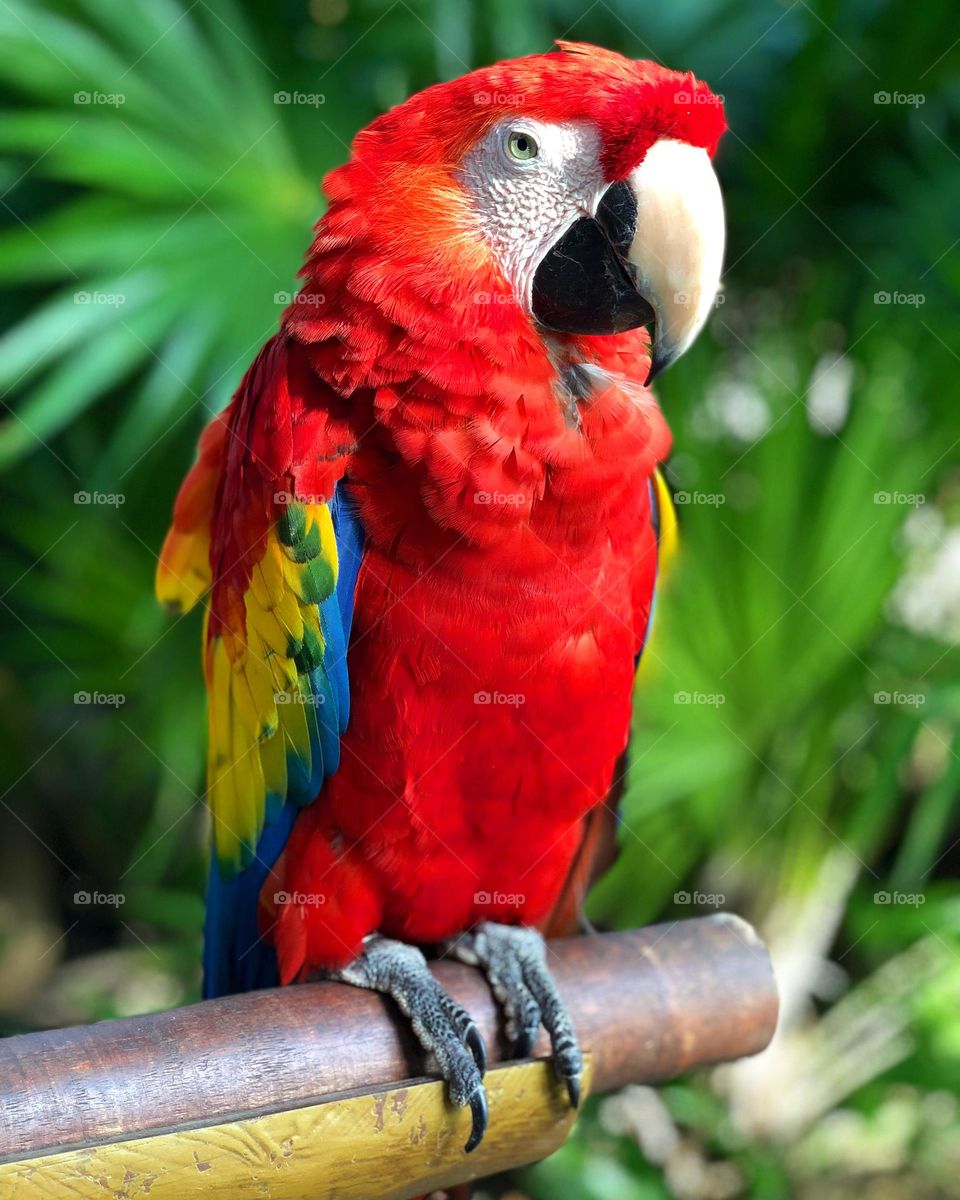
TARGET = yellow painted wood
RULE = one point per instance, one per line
(390, 1144)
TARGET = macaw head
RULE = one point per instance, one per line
(578, 183)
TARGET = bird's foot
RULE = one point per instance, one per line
(442, 1027)
(514, 960)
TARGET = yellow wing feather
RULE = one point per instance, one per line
(262, 710)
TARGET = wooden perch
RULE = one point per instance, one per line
(318, 1091)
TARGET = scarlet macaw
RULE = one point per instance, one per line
(428, 526)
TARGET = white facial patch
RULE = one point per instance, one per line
(530, 181)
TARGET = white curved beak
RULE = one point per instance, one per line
(677, 249)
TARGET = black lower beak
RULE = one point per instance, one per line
(584, 284)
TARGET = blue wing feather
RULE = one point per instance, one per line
(235, 958)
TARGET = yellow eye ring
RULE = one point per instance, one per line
(522, 146)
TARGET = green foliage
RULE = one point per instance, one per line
(145, 249)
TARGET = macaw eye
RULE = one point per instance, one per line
(522, 146)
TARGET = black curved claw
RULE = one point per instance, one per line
(514, 959)
(477, 1047)
(478, 1107)
(523, 1046)
(442, 1026)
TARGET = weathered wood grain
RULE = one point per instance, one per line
(392, 1143)
(647, 1005)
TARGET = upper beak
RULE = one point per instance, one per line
(677, 249)
(651, 256)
